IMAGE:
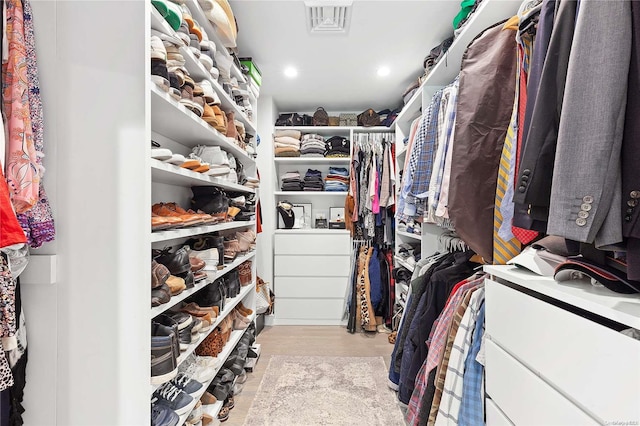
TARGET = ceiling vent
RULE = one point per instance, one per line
(328, 17)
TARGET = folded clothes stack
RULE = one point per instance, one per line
(337, 147)
(291, 181)
(337, 180)
(287, 143)
(313, 181)
(312, 146)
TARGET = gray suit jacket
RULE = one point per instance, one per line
(586, 189)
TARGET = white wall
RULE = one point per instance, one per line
(88, 340)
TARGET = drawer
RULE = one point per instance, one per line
(307, 287)
(312, 244)
(311, 266)
(309, 309)
(525, 398)
(593, 365)
(495, 417)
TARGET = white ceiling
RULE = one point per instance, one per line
(339, 72)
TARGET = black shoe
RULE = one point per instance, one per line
(172, 397)
(177, 263)
(183, 319)
(161, 415)
(161, 329)
(159, 73)
(186, 337)
(164, 365)
(186, 384)
(160, 295)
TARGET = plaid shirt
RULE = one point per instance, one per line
(472, 407)
(406, 209)
(446, 124)
(452, 393)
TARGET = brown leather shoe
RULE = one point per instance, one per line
(196, 264)
(159, 274)
(204, 218)
(244, 310)
(209, 116)
(221, 119)
(231, 125)
(208, 219)
(176, 285)
(197, 311)
(159, 223)
(208, 399)
(164, 210)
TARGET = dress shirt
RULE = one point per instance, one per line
(472, 406)
(452, 393)
(441, 209)
(407, 179)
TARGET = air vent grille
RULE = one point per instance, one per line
(328, 17)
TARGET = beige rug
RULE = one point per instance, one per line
(310, 391)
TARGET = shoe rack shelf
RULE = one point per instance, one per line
(214, 409)
(409, 235)
(174, 121)
(236, 335)
(197, 70)
(198, 230)
(400, 261)
(312, 193)
(155, 311)
(174, 175)
(229, 305)
(313, 160)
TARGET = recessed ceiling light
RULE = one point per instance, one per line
(291, 72)
(383, 71)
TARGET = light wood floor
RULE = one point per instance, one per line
(310, 341)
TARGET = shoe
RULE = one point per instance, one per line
(208, 399)
(209, 257)
(239, 201)
(217, 159)
(196, 264)
(231, 127)
(176, 159)
(163, 210)
(161, 415)
(202, 218)
(176, 285)
(231, 403)
(159, 223)
(161, 154)
(239, 321)
(232, 212)
(207, 419)
(187, 95)
(174, 87)
(191, 162)
(160, 74)
(186, 337)
(244, 310)
(170, 11)
(231, 249)
(164, 365)
(242, 378)
(223, 415)
(158, 50)
(183, 319)
(177, 262)
(244, 272)
(197, 326)
(208, 362)
(247, 240)
(173, 397)
(221, 119)
(206, 315)
(196, 414)
(198, 99)
(159, 274)
(200, 373)
(186, 384)
(160, 295)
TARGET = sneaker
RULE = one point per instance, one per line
(186, 337)
(164, 366)
(200, 373)
(183, 319)
(161, 415)
(196, 415)
(158, 50)
(210, 96)
(174, 88)
(187, 95)
(185, 383)
(161, 154)
(160, 74)
(208, 362)
(172, 397)
(167, 38)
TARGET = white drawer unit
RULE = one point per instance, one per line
(311, 277)
(495, 417)
(540, 328)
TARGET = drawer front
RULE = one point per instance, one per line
(312, 244)
(309, 309)
(595, 366)
(311, 266)
(495, 417)
(524, 397)
(307, 287)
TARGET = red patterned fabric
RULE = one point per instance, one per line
(10, 231)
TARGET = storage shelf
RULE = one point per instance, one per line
(198, 230)
(174, 175)
(171, 119)
(622, 308)
(337, 130)
(409, 235)
(312, 160)
(228, 308)
(198, 72)
(400, 261)
(155, 311)
(448, 67)
(311, 231)
(235, 337)
(312, 193)
(213, 409)
(237, 73)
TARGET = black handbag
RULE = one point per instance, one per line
(286, 212)
(289, 119)
(307, 120)
(209, 199)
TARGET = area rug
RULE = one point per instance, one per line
(316, 390)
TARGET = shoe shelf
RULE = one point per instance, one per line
(228, 308)
(312, 160)
(337, 130)
(174, 175)
(409, 235)
(155, 311)
(312, 193)
(214, 409)
(198, 230)
(198, 14)
(158, 23)
(174, 121)
(237, 73)
(400, 261)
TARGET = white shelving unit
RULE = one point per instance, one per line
(312, 193)
(312, 161)
(400, 261)
(409, 235)
(179, 129)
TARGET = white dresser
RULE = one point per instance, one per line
(554, 353)
(311, 276)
